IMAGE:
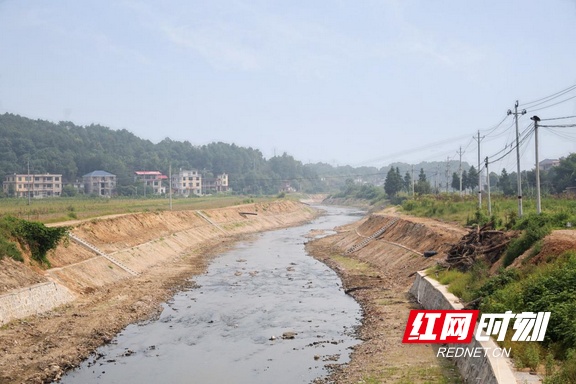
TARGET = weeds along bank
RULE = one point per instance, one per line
(131, 245)
(398, 250)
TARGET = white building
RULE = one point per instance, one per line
(36, 186)
(187, 182)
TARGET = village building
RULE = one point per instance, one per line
(33, 185)
(187, 182)
(216, 184)
(99, 183)
(548, 164)
(151, 179)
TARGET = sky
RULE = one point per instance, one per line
(360, 83)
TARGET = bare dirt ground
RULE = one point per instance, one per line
(378, 276)
(39, 349)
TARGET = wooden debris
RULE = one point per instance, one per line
(481, 242)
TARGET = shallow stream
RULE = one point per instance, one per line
(264, 312)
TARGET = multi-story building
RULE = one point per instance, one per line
(215, 184)
(36, 185)
(187, 182)
(548, 164)
(100, 183)
(151, 179)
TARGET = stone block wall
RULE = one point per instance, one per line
(32, 300)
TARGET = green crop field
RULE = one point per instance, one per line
(65, 208)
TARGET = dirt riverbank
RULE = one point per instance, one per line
(165, 249)
(378, 276)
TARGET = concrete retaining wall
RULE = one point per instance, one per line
(474, 369)
(33, 300)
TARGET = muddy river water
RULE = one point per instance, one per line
(264, 312)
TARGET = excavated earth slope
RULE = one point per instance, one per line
(376, 258)
(378, 272)
(163, 249)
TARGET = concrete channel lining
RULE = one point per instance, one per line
(33, 300)
(488, 369)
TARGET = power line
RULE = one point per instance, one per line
(551, 105)
(557, 118)
(550, 97)
(558, 126)
(513, 147)
(405, 152)
(496, 126)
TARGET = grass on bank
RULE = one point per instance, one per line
(52, 210)
(549, 286)
(464, 209)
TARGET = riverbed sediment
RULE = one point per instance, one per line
(376, 258)
(164, 249)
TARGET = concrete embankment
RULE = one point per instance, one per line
(393, 246)
(124, 246)
(377, 258)
(475, 367)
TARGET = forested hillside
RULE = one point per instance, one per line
(76, 150)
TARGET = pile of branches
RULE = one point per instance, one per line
(480, 243)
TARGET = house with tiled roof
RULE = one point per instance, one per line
(99, 183)
(151, 179)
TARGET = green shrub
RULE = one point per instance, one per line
(10, 250)
(535, 228)
(550, 288)
(39, 238)
(567, 372)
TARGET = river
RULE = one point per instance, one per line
(264, 312)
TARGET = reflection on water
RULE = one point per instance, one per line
(264, 312)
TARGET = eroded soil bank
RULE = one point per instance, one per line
(164, 248)
(378, 275)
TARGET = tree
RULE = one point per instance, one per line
(407, 182)
(505, 183)
(455, 182)
(464, 180)
(472, 179)
(393, 183)
(69, 191)
(564, 175)
(423, 186)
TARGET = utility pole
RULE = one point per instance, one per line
(447, 173)
(479, 173)
(170, 183)
(538, 201)
(488, 184)
(518, 179)
(436, 179)
(28, 176)
(412, 181)
(460, 169)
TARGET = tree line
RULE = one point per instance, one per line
(40, 146)
(72, 150)
(556, 180)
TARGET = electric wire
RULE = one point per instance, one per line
(558, 118)
(552, 105)
(548, 98)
